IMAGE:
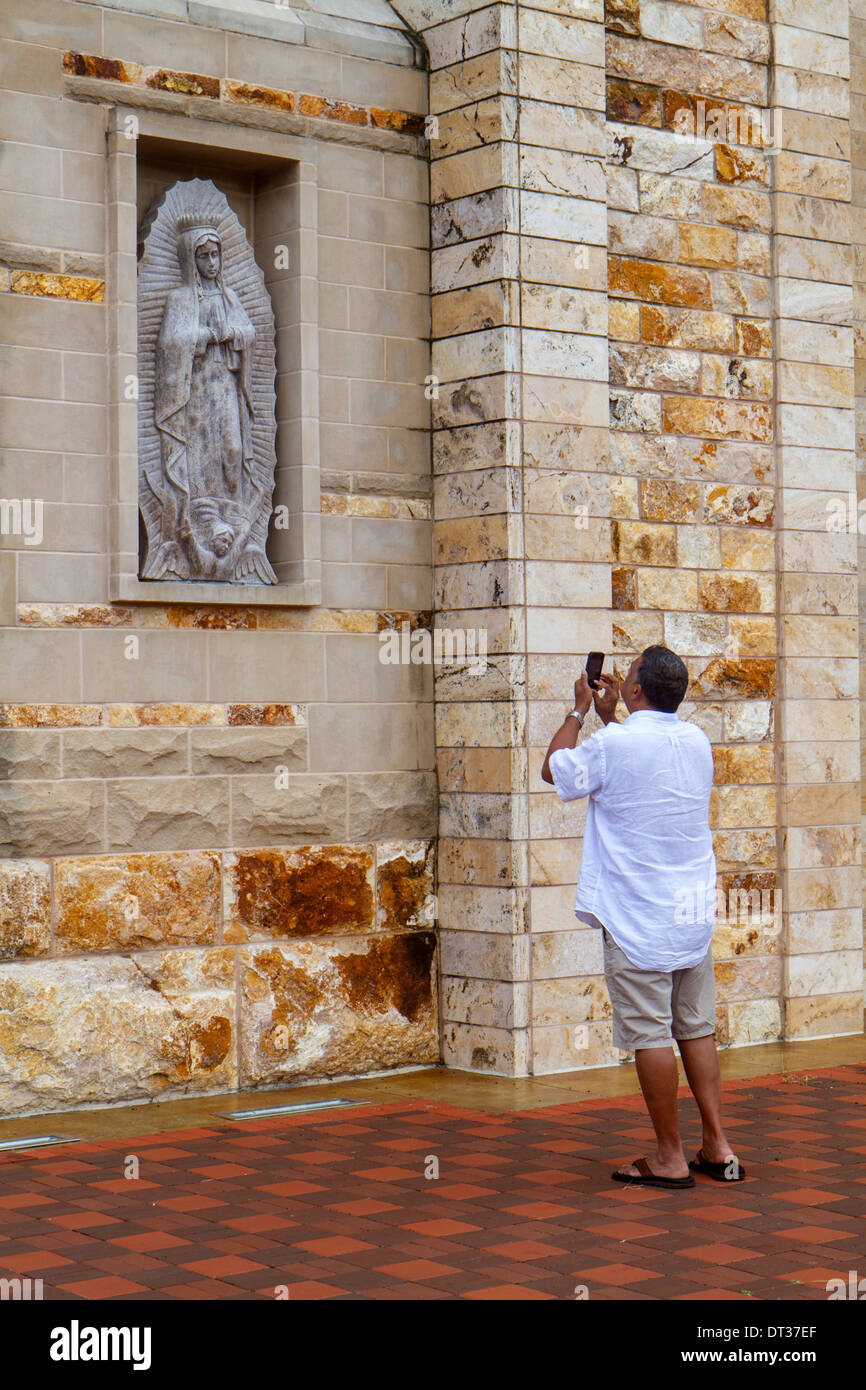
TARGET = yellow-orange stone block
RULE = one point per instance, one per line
(658, 284)
(138, 900)
(717, 419)
(713, 247)
(260, 96)
(25, 908)
(40, 283)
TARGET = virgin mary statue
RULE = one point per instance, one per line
(206, 505)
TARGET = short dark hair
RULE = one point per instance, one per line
(663, 678)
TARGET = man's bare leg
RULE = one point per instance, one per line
(701, 1064)
(657, 1073)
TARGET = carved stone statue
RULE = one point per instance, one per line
(206, 393)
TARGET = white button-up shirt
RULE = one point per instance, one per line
(648, 873)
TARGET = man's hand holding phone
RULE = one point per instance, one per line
(606, 698)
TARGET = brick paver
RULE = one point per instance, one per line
(523, 1207)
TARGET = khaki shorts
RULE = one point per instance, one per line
(652, 1007)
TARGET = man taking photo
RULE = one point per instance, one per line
(647, 851)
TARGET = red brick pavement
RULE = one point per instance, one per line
(334, 1206)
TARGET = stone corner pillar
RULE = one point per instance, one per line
(518, 193)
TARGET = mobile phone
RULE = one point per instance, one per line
(594, 663)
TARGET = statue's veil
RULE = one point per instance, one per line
(159, 271)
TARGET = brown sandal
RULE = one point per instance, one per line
(647, 1178)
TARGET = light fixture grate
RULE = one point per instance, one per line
(267, 1112)
(37, 1141)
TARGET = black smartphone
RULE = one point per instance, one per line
(594, 663)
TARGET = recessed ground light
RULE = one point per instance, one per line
(37, 1141)
(299, 1109)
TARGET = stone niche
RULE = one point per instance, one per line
(215, 310)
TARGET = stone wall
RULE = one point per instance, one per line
(214, 818)
(857, 11)
(692, 382)
(694, 513)
(729, 189)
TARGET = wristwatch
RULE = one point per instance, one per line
(575, 714)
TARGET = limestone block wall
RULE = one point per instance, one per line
(857, 13)
(692, 387)
(214, 819)
(694, 512)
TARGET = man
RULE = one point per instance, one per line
(648, 880)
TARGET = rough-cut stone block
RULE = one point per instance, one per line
(717, 419)
(744, 764)
(249, 750)
(735, 166)
(404, 885)
(26, 754)
(136, 901)
(299, 892)
(123, 752)
(623, 589)
(635, 410)
(686, 328)
(746, 678)
(387, 805)
(754, 337)
(736, 207)
(744, 505)
(736, 378)
(667, 588)
(622, 16)
(737, 593)
(663, 500)
(659, 284)
(337, 1008)
(633, 632)
(286, 809)
(115, 1028)
(713, 247)
(633, 103)
(654, 368)
(755, 1021)
(51, 817)
(147, 813)
(638, 543)
(25, 908)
